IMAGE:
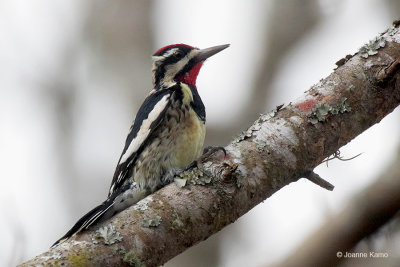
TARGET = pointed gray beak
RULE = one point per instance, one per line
(208, 52)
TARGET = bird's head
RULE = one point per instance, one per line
(180, 62)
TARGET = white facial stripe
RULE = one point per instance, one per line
(157, 58)
(173, 69)
(170, 52)
(145, 128)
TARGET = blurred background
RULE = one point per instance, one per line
(73, 74)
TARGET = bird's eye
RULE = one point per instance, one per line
(178, 54)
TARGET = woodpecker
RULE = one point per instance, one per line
(166, 135)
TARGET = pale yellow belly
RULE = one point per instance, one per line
(189, 145)
(180, 145)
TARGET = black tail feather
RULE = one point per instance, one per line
(87, 220)
(105, 210)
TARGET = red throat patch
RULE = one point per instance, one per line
(191, 76)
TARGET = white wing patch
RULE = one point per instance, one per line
(145, 128)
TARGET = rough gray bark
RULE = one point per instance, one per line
(276, 150)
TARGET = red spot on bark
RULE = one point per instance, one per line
(307, 105)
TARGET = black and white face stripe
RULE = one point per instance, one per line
(169, 62)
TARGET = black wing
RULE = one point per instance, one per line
(95, 215)
(149, 116)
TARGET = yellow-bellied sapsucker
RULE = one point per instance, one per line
(167, 134)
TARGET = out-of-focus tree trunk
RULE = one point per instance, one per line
(287, 23)
(119, 41)
(109, 56)
(360, 220)
(393, 7)
(61, 90)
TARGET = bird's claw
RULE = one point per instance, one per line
(209, 150)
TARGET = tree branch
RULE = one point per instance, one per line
(279, 148)
(367, 212)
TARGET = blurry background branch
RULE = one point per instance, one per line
(287, 23)
(298, 137)
(363, 216)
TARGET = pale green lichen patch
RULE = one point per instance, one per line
(143, 204)
(133, 260)
(321, 111)
(371, 48)
(248, 133)
(194, 176)
(256, 125)
(180, 182)
(201, 180)
(152, 222)
(191, 174)
(342, 107)
(107, 234)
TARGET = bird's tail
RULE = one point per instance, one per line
(87, 220)
(115, 203)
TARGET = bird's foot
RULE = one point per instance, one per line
(170, 175)
(209, 150)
